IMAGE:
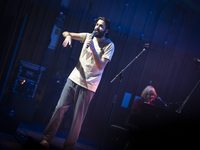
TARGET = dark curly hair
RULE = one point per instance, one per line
(107, 22)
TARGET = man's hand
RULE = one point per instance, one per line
(91, 44)
(68, 40)
(101, 63)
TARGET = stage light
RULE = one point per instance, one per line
(23, 81)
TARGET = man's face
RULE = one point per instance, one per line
(100, 27)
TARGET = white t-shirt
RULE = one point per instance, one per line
(86, 73)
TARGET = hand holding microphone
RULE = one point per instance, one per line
(92, 36)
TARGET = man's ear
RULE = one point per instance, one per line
(107, 30)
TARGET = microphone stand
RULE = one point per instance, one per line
(187, 98)
(120, 74)
(197, 62)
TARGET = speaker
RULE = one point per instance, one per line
(8, 124)
(31, 144)
(24, 109)
(28, 78)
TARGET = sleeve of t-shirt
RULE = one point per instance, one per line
(109, 51)
(83, 37)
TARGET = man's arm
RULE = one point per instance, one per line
(100, 62)
(68, 38)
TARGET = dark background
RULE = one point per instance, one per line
(171, 27)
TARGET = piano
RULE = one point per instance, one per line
(159, 128)
(152, 116)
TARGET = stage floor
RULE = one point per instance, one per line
(176, 136)
(34, 131)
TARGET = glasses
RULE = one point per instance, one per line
(151, 94)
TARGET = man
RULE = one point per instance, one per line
(82, 82)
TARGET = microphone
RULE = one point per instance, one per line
(162, 101)
(93, 34)
(146, 46)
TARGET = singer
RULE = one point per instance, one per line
(83, 81)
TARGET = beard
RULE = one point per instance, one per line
(100, 34)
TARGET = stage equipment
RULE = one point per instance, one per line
(28, 78)
(8, 124)
(152, 116)
(197, 63)
(120, 74)
(25, 87)
(163, 126)
(24, 108)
